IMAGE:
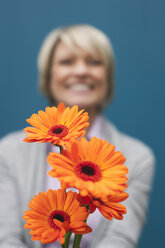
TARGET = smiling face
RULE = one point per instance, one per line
(77, 77)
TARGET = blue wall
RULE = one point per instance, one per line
(136, 28)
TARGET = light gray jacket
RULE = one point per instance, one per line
(22, 175)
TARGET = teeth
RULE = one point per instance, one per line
(80, 87)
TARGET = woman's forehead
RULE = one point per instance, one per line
(63, 49)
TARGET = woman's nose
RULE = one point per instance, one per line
(80, 68)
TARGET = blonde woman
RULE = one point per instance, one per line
(76, 66)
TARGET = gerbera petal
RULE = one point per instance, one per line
(79, 215)
(35, 122)
(53, 236)
(119, 197)
(117, 206)
(61, 196)
(105, 214)
(60, 110)
(52, 198)
(51, 116)
(83, 229)
(71, 114)
(69, 199)
(64, 116)
(43, 118)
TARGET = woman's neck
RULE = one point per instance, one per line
(92, 114)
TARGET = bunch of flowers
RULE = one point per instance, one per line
(93, 167)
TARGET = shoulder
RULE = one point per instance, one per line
(13, 142)
(133, 149)
(12, 147)
(12, 138)
(135, 145)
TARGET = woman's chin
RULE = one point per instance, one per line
(80, 103)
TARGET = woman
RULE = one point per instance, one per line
(76, 66)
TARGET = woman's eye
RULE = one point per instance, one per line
(66, 61)
(95, 62)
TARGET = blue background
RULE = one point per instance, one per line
(137, 31)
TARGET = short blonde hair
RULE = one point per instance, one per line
(85, 37)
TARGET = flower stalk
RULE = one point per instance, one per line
(61, 149)
(67, 238)
(77, 240)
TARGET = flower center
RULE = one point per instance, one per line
(58, 131)
(58, 215)
(88, 171)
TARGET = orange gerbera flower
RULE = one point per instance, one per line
(57, 125)
(92, 167)
(109, 208)
(54, 213)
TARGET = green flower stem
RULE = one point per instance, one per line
(67, 238)
(61, 148)
(77, 240)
